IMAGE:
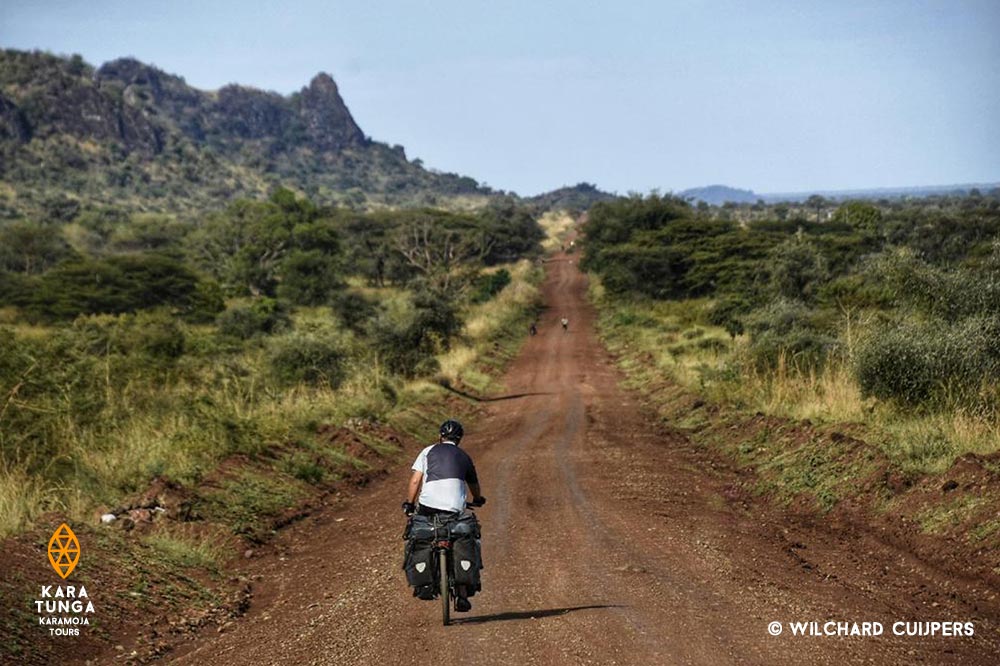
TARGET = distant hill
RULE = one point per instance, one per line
(579, 197)
(130, 135)
(717, 195)
(883, 192)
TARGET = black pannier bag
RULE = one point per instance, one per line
(465, 552)
(418, 554)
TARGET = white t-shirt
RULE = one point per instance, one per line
(446, 469)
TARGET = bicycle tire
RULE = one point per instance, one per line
(445, 596)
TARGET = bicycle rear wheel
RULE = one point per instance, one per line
(445, 596)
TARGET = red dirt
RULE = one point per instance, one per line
(609, 538)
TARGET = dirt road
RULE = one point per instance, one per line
(609, 539)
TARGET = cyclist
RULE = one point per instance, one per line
(565, 324)
(437, 486)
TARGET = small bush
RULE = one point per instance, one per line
(125, 283)
(264, 316)
(309, 277)
(786, 330)
(304, 468)
(932, 362)
(858, 290)
(714, 345)
(134, 340)
(401, 346)
(311, 358)
(156, 334)
(632, 318)
(798, 269)
(407, 338)
(489, 285)
(353, 309)
(948, 294)
(15, 289)
(729, 313)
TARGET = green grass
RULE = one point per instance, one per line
(945, 517)
(187, 550)
(248, 499)
(669, 351)
(985, 531)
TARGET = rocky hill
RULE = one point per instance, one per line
(130, 135)
(578, 197)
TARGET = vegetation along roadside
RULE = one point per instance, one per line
(279, 355)
(850, 362)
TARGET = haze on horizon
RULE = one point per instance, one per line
(776, 96)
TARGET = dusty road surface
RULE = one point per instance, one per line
(608, 539)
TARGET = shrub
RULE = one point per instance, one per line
(311, 358)
(932, 362)
(729, 313)
(798, 269)
(309, 277)
(437, 317)
(949, 294)
(858, 290)
(633, 318)
(407, 338)
(125, 283)
(489, 285)
(30, 248)
(353, 309)
(58, 382)
(786, 329)
(14, 288)
(263, 316)
(158, 335)
(400, 345)
(861, 215)
(153, 334)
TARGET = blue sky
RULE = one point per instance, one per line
(530, 95)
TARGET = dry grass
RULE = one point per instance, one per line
(557, 226)
(22, 497)
(657, 339)
(829, 394)
(500, 317)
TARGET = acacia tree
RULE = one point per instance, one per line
(31, 248)
(818, 202)
(859, 214)
(443, 248)
(253, 247)
(243, 246)
(798, 268)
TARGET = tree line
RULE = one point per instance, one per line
(924, 275)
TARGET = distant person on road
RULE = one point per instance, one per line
(437, 486)
(534, 328)
(565, 324)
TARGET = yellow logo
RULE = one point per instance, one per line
(64, 550)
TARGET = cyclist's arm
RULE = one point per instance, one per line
(414, 488)
(476, 491)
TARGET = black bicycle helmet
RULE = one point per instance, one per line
(452, 431)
